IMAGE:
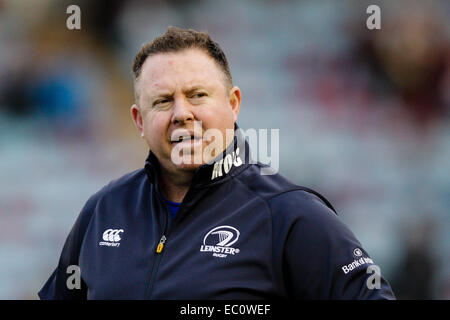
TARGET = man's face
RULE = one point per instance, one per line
(177, 90)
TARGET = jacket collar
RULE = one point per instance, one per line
(233, 160)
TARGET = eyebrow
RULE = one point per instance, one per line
(193, 89)
(189, 90)
(160, 95)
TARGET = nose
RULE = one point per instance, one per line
(181, 112)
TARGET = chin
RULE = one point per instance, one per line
(187, 167)
(190, 160)
(190, 163)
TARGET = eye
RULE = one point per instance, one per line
(160, 102)
(199, 95)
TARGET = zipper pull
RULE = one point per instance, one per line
(160, 246)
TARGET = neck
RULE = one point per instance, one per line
(174, 186)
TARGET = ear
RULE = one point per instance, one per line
(137, 118)
(235, 101)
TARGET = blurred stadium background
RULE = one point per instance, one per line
(363, 118)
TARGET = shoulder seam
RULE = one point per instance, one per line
(308, 190)
(114, 183)
(271, 218)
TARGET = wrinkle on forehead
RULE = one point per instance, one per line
(170, 71)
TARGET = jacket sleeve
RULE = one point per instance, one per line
(56, 287)
(321, 257)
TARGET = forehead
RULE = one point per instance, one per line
(174, 69)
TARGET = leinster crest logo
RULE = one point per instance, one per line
(219, 241)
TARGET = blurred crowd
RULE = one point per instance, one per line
(363, 118)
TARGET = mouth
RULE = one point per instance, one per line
(184, 137)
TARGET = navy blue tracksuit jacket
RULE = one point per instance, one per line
(237, 235)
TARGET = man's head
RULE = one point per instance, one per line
(180, 78)
(176, 40)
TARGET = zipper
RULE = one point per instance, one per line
(158, 253)
(160, 246)
(162, 241)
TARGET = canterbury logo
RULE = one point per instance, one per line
(112, 235)
(111, 238)
(219, 241)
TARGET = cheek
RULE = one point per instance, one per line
(155, 127)
(218, 116)
(224, 118)
(152, 121)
